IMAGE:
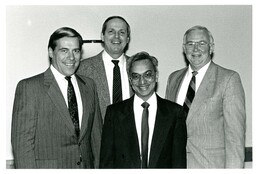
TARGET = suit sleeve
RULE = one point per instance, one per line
(96, 131)
(167, 92)
(107, 144)
(234, 122)
(23, 129)
(179, 141)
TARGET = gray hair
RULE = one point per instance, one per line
(198, 27)
(141, 56)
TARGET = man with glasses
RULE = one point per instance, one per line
(144, 131)
(214, 101)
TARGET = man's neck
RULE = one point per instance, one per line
(114, 56)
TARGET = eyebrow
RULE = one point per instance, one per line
(142, 73)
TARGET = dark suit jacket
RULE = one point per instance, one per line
(216, 119)
(43, 135)
(93, 67)
(120, 146)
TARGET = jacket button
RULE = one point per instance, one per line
(78, 163)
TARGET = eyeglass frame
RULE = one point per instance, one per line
(199, 44)
(144, 75)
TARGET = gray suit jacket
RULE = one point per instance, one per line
(43, 135)
(93, 67)
(216, 120)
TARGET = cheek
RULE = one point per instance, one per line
(126, 40)
(206, 51)
(78, 57)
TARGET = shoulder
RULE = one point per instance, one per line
(168, 104)
(224, 73)
(122, 103)
(222, 69)
(86, 80)
(168, 108)
(30, 86)
(178, 72)
(121, 106)
(91, 59)
(36, 79)
(89, 65)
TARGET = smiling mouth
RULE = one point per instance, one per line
(116, 42)
(70, 64)
(199, 55)
(144, 88)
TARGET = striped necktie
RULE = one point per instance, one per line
(190, 93)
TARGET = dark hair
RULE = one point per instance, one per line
(141, 56)
(64, 32)
(104, 26)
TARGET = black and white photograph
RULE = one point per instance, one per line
(127, 86)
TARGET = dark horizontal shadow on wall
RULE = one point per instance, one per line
(92, 41)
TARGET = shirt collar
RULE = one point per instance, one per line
(108, 58)
(151, 101)
(201, 70)
(57, 74)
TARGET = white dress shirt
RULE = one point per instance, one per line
(138, 110)
(109, 65)
(185, 83)
(63, 85)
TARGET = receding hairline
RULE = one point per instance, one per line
(199, 28)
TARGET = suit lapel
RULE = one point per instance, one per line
(161, 131)
(85, 98)
(130, 88)
(102, 77)
(178, 83)
(203, 93)
(128, 127)
(57, 98)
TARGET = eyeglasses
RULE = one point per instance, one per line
(149, 75)
(191, 45)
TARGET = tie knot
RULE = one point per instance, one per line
(194, 73)
(115, 62)
(145, 105)
(68, 78)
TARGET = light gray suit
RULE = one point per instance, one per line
(93, 67)
(43, 134)
(216, 119)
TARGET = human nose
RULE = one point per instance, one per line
(117, 35)
(196, 45)
(71, 55)
(141, 80)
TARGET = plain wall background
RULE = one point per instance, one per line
(157, 30)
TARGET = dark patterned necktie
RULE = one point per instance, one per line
(190, 93)
(144, 135)
(72, 105)
(117, 84)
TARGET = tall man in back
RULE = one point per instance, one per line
(102, 68)
(214, 100)
(56, 121)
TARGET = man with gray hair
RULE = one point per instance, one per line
(144, 131)
(214, 101)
